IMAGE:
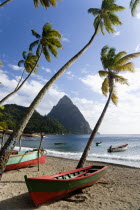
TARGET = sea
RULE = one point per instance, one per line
(73, 146)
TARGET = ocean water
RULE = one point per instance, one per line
(75, 145)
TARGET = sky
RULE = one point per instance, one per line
(81, 82)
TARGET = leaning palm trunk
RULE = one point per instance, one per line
(4, 3)
(10, 144)
(93, 134)
(19, 86)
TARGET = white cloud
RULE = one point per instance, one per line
(28, 92)
(15, 67)
(123, 118)
(70, 75)
(116, 33)
(64, 39)
(46, 69)
(93, 82)
(137, 48)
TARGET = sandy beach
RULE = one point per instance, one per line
(119, 189)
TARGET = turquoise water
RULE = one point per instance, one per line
(75, 145)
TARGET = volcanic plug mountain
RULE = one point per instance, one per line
(69, 116)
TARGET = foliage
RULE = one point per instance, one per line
(47, 42)
(105, 17)
(45, 3)
(113, 64)
(12, 114)
(134, 5)
(29, 61)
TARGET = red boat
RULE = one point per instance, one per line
(25, 159)
(43, 189)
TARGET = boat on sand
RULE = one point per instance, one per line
(43, 189)
(24, 159)
(118, 149)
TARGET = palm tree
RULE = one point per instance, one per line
(113, 64)
(44, 3)
(105, 15)
(133, 5)
(47, 43)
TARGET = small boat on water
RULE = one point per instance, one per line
(98, 143)
(24, 159)
(118, 149)
(43, 189)
(59, 143)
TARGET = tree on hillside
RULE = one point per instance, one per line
(47, 43)
(103, 17)
(44, 3)
(134, 5)
(113, 64)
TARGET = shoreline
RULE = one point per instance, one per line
(118, 189)
(97, 162)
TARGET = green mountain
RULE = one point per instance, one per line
(70, 117)
(12, 114)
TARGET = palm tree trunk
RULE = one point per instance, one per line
(10, 143)
(19, 86)
(4, 3)
(93, 134)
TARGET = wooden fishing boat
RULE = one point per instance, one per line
(24, 159)
(59, 143)
(118, 149)
(43, 189)
(98, 143)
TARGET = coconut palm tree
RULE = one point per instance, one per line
(113, 64)
(44, 3)
(133, 5)
(105, 15)
(47, 43)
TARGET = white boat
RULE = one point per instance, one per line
(118, 149)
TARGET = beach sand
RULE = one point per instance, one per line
(119, 189)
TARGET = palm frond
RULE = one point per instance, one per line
(102, 27)
(53, 50)
(46, 54)
(108, 25)
(119, 56)
(45, 3)
(33, 44)
(47, 27)
(35, 34)
(102, 73)
(94, 11)
(128, 57)
(55, 42)
(115, 19)
(54, 33)
(97, 21)
(105, 86)
(115, 8)
(39, 49)
(107, 3)
(121, 80)
(24, 54)
(133, 5)
(114, 97)
(20, 62)
(125, 67)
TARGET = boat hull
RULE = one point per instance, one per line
(118, 149)
(45, 189)
(24, 160)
